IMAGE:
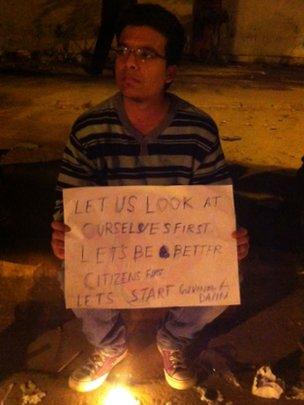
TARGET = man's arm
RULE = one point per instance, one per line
(212, 169)
(77, 170)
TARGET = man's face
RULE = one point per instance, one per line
(138, 78)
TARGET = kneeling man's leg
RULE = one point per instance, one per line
(179, 329)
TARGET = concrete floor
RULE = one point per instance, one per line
(260, 115)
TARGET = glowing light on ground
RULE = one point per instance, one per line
(120, 395)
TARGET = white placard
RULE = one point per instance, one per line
(150, 246)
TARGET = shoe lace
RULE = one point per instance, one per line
(95, 361)
(177, 359)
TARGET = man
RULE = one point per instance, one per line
(110, 12)
(143, 136)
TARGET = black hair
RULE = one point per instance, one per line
(161, 20)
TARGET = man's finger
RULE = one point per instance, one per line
(243, 241)
(242, 251)
(239, 233)
(60, 226)
(57, 242)
(58, 250)
(56, 235)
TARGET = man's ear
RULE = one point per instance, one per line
(171, 73)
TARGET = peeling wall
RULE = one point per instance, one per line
(271, 30)
(43, 24)
(258, 30)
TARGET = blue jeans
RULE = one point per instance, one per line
(105, 328)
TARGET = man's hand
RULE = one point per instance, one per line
(242, 241)
(57, 242)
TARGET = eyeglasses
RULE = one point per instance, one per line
(141, 54)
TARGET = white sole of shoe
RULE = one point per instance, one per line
(92, 385)
(87, 386)
(178, 384)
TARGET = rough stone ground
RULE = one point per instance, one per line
(260, 114)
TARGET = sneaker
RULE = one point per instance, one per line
(94, 372)
(177, 373)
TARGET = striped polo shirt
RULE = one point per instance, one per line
(104, 149)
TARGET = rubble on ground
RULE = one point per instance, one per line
(266, 384)
(296, 393)
(31, 394)
(211, 396)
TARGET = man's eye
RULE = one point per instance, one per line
(122, 50)
(145, 53)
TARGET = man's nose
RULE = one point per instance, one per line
(131, 61)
